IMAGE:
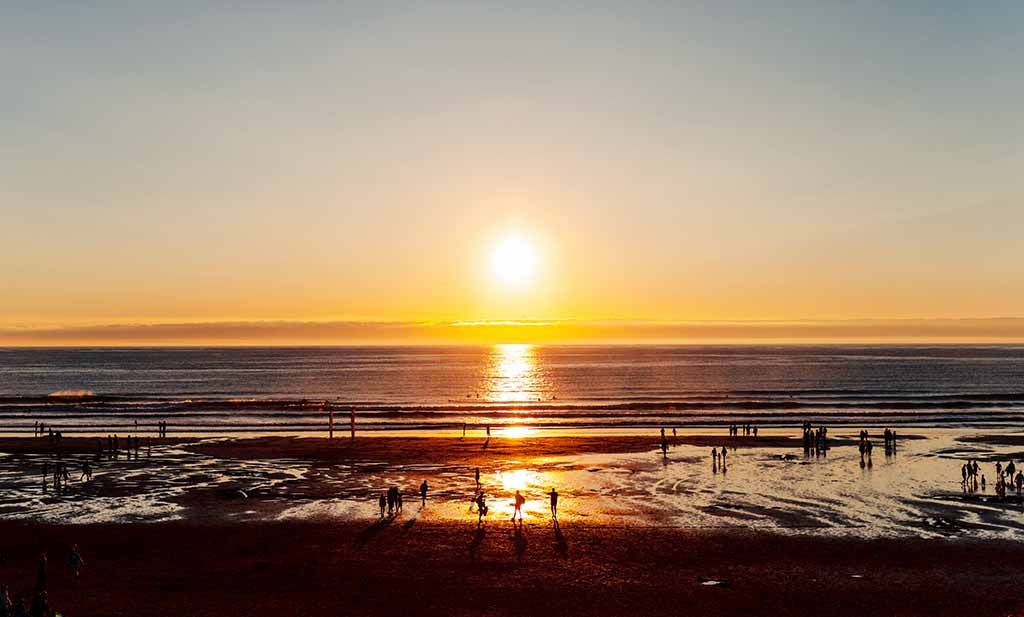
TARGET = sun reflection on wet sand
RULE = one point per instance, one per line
(517, 432)
(513, 376)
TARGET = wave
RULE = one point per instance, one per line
(72, 394)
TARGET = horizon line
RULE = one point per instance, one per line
(965, 330)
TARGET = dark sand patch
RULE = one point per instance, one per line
(457, 569)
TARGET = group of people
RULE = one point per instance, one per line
(1006, 476)
(60, 477)
(56, 473)
(865, 446)
(890, 440)
(718, 459)
(390, 501)
(479, 501)
(747, 428)
(41, 429)
(815, 439)
(36, 603)
(132, 447)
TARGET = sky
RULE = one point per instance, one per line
(345, 171)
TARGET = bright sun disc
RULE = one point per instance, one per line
(514, 261)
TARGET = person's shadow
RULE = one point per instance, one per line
(563, 546)
(478, 538)
(370, 532)
(519, 539)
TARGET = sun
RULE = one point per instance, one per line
(514, 261)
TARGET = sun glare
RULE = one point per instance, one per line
(514, 261)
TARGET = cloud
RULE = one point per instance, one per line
(403, 332)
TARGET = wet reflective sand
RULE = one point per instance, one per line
(915, 492)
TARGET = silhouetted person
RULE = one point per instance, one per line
(554, 502)
(382, 501)
(423, 493)
(478, 477)
(481, 507)
(519, 501)
(86, 471)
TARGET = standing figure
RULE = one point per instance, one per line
(519, 501)
(423, 493)
(554, 502)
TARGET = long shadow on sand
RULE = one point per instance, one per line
(478, 539)
(519, 539)
(371, 532)
(563, 546)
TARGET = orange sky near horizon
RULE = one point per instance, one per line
(193, 170)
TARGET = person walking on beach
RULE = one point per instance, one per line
(398, 499)
(382, 501)
(391, 500)
(478, 477)
(481, 507)
(554, 502)
(519, 501)
(463, 430)
(1019, 481)
(423, 493)
(86, 471)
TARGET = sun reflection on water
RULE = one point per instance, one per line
(513, 376)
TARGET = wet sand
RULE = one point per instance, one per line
(287, 525)
(424, 568)
(469, 451)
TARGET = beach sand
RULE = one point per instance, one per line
(285, 525)
(422, 568)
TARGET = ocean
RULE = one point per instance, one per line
(215, 390)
